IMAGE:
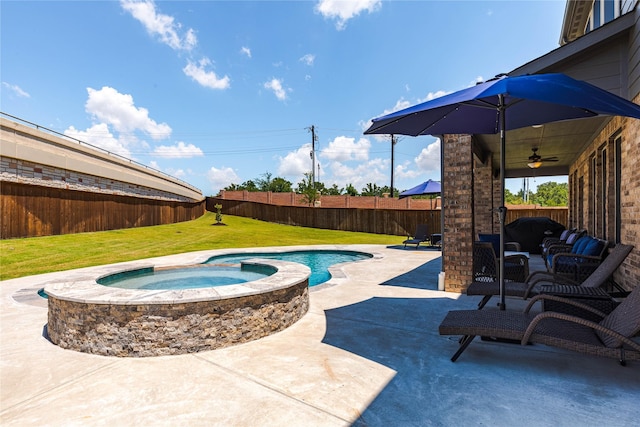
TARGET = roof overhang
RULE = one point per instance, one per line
(567, 139)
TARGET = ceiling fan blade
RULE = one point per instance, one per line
(549, 159)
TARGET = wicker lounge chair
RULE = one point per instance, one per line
(611, 337)
(532, 285)
(421, 235)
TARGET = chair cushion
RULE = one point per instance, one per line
(565, 234)
(593, 247)
(494, 239)
(578, 247)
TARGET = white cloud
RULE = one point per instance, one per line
(429, 158)
(343, 148)
(374, 171)
(296, 163)
(118, 110)
(160, 25)
(342, 11)
(178, 151)
(308, 59)
(275, 85)
(177, 173)
(16, 90)
(220, 178)
(477, 80)
(99, 136)
(206, 78)
(432, 95)
(245, 51)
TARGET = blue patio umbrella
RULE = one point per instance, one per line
(428, 187)
(502, 104)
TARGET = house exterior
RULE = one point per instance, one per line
(600, 44)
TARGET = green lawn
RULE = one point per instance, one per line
(25, 257)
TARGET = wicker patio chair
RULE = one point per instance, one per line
(578, 266)
(485, 264)
(610, 337)
(532, 285)
(562, 246)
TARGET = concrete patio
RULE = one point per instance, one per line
(367, 353)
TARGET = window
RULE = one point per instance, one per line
(603, 11)
(602, 197)
(580, 211)
(596, 13)
(617, 144)
(593, 196)
(609, 11)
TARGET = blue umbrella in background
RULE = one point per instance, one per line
(502, 104)
(427, 187)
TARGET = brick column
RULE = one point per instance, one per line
(483, 198)
(457, 191)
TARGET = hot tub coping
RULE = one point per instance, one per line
(87, 290)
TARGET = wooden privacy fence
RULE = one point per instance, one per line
(378, 221)
(400, 222)
(30, 211)
(558, 214)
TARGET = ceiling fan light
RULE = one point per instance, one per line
(535, 165)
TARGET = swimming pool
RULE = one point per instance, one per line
(222, 270)
(192, 277)
(318, 261)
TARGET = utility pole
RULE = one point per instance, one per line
(393, 143)
(314, 138)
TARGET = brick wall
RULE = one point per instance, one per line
(483, 197)
(598, 199)
(457, 190)
(343, 201)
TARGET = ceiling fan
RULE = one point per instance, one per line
(535, 161)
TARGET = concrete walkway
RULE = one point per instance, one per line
(367, 353)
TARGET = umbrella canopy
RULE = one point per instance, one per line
(428, 187)
(530, 100)
(502, 104)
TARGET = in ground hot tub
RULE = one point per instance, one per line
(88, 317)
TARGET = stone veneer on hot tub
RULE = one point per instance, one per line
(88, 317)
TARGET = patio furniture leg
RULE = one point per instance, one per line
(484, 301)
(464, 343)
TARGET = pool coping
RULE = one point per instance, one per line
(82, 286)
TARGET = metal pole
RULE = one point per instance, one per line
(393, 142)
(502, 210)
(313, 156)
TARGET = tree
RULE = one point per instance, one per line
(334, 190)
(264, 183)
(308, 190)
(371, 190)
(249, 186)
(351, 190)
(233, 187)
(281, 185)
(513, 199)
(551, 194)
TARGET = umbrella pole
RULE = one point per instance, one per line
(502, 210)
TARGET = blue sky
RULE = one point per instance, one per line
(220, 92)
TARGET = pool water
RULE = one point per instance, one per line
(186, 278)
(318, 261)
